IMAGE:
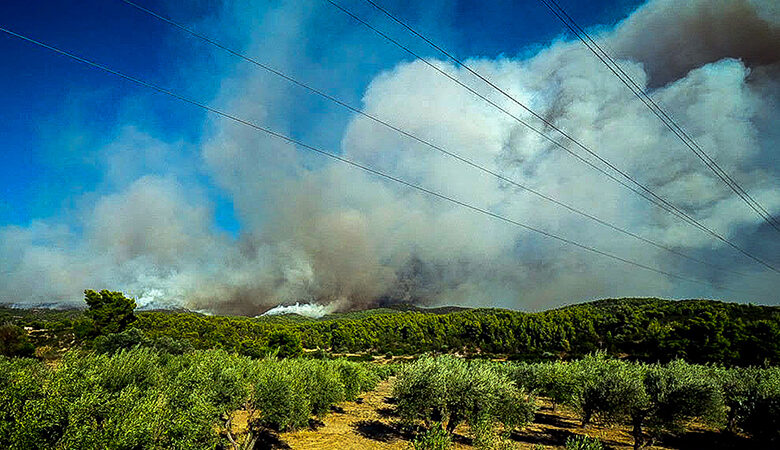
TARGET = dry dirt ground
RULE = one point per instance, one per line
(370, 423)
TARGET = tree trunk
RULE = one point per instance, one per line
(452, 423)
(586, 418)
(637, 432)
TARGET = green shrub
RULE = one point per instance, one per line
(113, 342)
(355, 377)
(324, 386)
(281, 398)
(434, 438)
(167, 344)
(284, 344)
(679, 392)
(385, 371)
(583, 443)
(421, 390)
(145, 398)
(133, 337)
(487, 437)
(14, 342)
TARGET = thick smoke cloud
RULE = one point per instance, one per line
(314, 231)
(671, 38)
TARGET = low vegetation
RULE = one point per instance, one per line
(653, 399)
(144, 398)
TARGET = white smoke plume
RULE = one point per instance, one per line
(327, 235)
(306, 309)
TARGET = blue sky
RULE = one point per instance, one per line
(57, 112)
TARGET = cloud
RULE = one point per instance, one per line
(314, 232)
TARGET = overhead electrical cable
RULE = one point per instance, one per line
(352, 163)
(658, 111)
(656, 199)
(438, 148)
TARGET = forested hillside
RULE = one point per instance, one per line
(641, 329)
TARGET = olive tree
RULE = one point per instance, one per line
(606, 388)
(752, 396)
(651, 398)
(451, 390)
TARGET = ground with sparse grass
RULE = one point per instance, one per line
(371, 422)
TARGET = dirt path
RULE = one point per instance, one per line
(366, 423)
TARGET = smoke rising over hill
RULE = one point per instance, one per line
(316, 231)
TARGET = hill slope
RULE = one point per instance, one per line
(648, 329)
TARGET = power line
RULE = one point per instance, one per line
(347, 161)
(656, 200)
(427, 143)
(659, 112)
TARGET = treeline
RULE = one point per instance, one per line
(652, 399)
(147, 399)
(642, 329)
(650, 330)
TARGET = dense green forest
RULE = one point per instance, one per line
(650, 330)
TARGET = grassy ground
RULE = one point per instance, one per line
(370, 423)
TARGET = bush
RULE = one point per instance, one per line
(679, 392)
(324, 387)
(252, 348)
(434, 438)
(355, 377)
(288, 392)
(420, 390)
(285, 344)
(170, 345)
(281, 397)
(385, 371)
(487, 437)
(114, 342)
(583, 443)
(13, 341)
(133, 337)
